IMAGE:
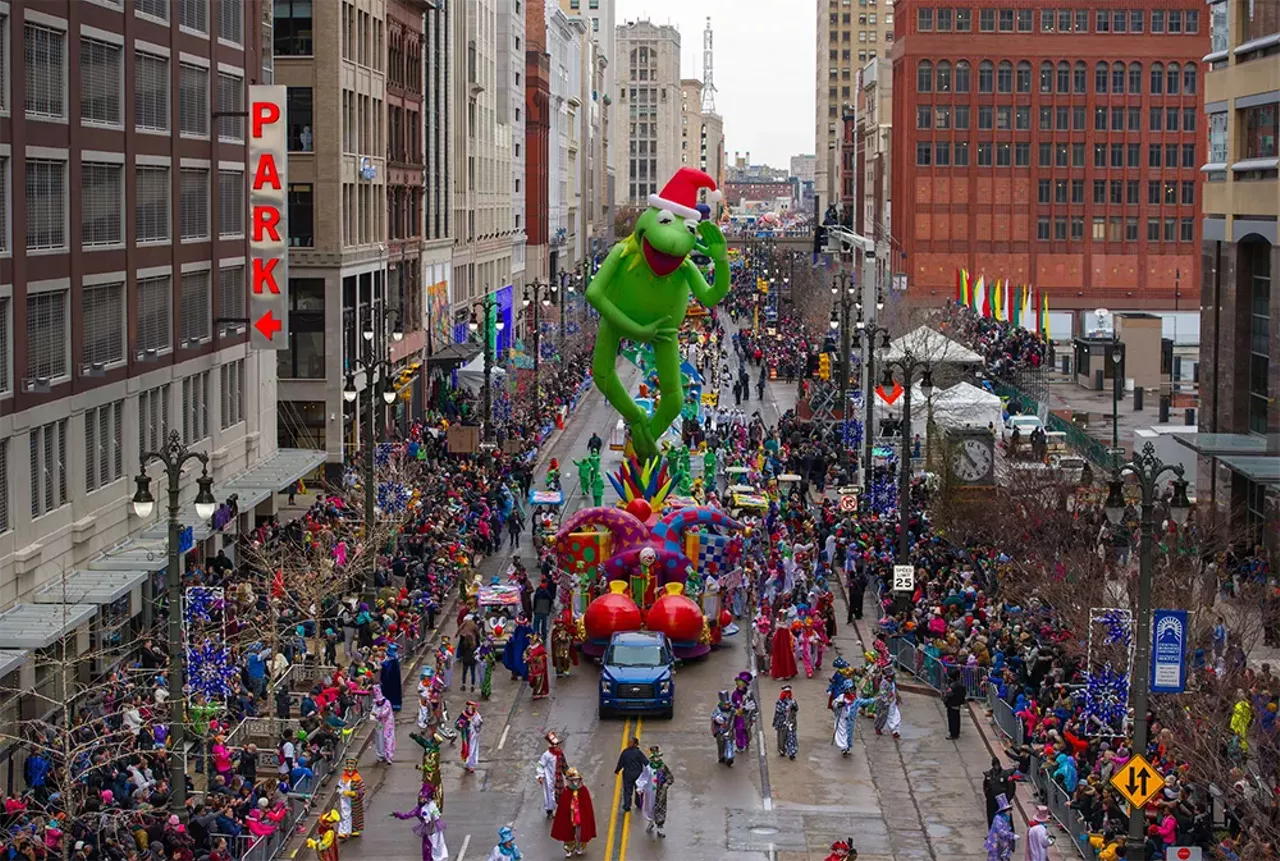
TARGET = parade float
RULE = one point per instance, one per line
(649, 565)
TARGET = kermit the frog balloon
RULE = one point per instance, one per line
(642, 294)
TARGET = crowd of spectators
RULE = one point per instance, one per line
(1005, 348)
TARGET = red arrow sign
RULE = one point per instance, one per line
(268, 325)
(891, 396)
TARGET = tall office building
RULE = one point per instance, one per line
(648, 128)
(1239, 414)
(1055, 147)
(483, 226)
(439, 72)
(850, 33)
(566, 40)
(123, 298)
(511, 49)
(701, 133)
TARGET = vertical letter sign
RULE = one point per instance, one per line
(1169, 651)
(268, 219)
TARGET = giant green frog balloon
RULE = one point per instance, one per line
(642, 294)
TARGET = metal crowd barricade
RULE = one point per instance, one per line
(934, 673)
(1057, 799)
(1008, 723)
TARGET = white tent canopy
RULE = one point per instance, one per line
(964, 405)
(933, 347)
(471, 375)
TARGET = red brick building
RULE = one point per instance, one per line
(736, 192)
(1054, 146)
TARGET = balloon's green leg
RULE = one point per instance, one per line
(670, 388)
(604, 370)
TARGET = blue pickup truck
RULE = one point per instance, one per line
(636, 675)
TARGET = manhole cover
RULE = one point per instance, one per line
(764, 830)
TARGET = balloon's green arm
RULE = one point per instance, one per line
(708, 294)
(597, 295)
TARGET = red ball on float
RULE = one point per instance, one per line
(640, 509)
(611, 613)
(676, 615)
(725, 618)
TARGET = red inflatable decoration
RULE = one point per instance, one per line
(611, 613)
(725, 618)
(676, 615)
(640, 509)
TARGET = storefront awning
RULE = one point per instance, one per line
(37, 626)
(200, 529)
(1224, 444)
(12, 659)
(453, 354)
(271, 476)
(144, 556)
(91, 587)
(1259, 470)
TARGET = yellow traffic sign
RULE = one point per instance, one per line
(1138, 781)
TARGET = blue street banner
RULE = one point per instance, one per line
(1169, 651)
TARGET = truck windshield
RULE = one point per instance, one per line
(636, 656)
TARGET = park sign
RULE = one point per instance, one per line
(1169, 651)
(269, 219)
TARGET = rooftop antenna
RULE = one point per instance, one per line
(708, 83)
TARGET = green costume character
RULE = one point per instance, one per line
(584, 474)
(430, 765)
(597, 489)
(642, 294)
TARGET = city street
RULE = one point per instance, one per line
(916, 798)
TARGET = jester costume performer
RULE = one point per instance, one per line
(430, 765)
(642, 293)
(487, 655)
(785, 711)
(1000, 839)
(563, 654)
(535, 659)
(325, 842)
(843, 675)
(744, 707)
(384, 730)
(350, 801)
(389, 677)
(888, 715)
(654, 782)
(845, 706)
(469, 724)
(722, 729)
(429, 825)
(506, 850)
(444, 661)
(550, 771)
(575, 821)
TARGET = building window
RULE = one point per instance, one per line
(100, 82)
(4, 486)
(962, 76)
(1043, 191)
(1255, 264)
(1173, 79)
(232, 381)
(231, 203)
(986, 76)
(103, 445)
(151, 92)
(154, 318)
(924, 153)
(6, 384)
(1135, 78)
(153, 418)
(1260, 131)
(1042, 228)
(195, 408)
(1006, 20)
(151, 204)
(924, 20)
(924, 77)
(47, 353)
(44, 60)
(1024, 77)
(101, 204)
(961, 154)
(1218, 33)
(986, 20)
(194, 15)
(103, 315)
(196, 297)
(193, 218)
(305, 357)
(1157, 78)
(1218, 138)
(292, 28)
(158, 9)
(924, 117)
(984, 155)
(298, 111)
(1004, 77)
(231, 290)
(48, 467)
(964, 20)
(46, 204)
(231, 22)
(1118, 77)
(1101, 77)
(944, 20)
(301, 215)
(193, 100)
(943, 80)
(1064, 77)
(230, 101)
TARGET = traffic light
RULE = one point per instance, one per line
(819, 239)
(824, 366)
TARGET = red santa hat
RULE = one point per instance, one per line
(680, 194)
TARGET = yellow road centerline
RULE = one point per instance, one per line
(617, 794)
(626, 820)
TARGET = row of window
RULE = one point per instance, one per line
(1256, 129)
(1006, 154)
(104, 192)
(101, 85)
(103, 316)
(194, 15)
(948, 20)
(1064, 77)
(1060, 118)
(1115, 229)
(1116, 192)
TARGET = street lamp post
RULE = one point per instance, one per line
(845, 298)
(1115, 355)
(486, 306)
(872, 331)
(908, 365)
(173, 456)
(1148, 470)
(538, 294)
(372, 364)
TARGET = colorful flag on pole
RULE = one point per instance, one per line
(963, 287)
(1016, 317)
(979, 288)
(986, 301)
(999, 291)
(1044, 321)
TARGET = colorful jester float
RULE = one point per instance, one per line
(642, 568)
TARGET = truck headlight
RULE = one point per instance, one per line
(606, 686)
(664, 686)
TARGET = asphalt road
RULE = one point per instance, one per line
(915, 798)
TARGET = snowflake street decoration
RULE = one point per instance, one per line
(210, 670)
(851, 433)
(884, 488)
(393, 497)
(201, 602)
(1106, 695)
(1118, 627)
(572, 327)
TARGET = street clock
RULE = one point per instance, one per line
(971, 457)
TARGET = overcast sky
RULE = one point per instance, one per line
(764, 68)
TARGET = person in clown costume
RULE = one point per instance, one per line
(845, 706)
(842, 850)
(469, 724)
(325, 843)
(424, 698)
(487, 655)
(430, 764)
(506, 850)
(429, 826)
(785, 713)
(888, 715)
(444, 661)
(654, 782)
(350, 801)
(384, 731)
(563, 655)
(575, 820)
